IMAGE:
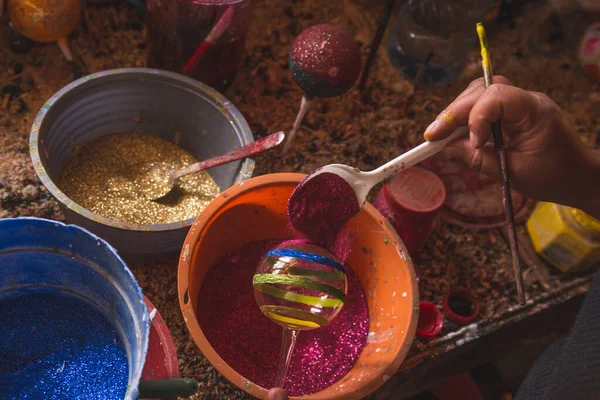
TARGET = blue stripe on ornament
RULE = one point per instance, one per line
(306, 256)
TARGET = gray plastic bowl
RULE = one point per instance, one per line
(142, 100)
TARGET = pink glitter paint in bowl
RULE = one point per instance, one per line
(317, 209)
(256, 211)
(249, 342)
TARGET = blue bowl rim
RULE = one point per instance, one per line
(225, 107)
(132, 388)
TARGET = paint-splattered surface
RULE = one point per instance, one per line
(360, 134)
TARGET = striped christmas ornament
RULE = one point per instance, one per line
(300, 286)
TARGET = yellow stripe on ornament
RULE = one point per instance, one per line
(297, 298)
(300, 281)
(293, 316)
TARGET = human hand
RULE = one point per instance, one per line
(546, 159)
(277, 394)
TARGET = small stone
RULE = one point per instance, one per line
(594, 97)
(400, 87)
(12, 89)
(18, 68)
(27, 84)
(321, 134)
(19, 43)
(30, 192)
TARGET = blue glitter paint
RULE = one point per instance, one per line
(54, 346)
(303, 255)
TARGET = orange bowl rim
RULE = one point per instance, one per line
(365, 387)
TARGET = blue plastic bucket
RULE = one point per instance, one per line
(43, 256)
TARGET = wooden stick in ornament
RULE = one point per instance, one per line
(63, 45)
(488, 77)
(381, 25)
(211, 39)
(304, 106)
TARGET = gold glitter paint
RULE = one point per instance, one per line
(448, 118)
(104, 178)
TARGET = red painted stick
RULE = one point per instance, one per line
(258, 146)
(211, 39)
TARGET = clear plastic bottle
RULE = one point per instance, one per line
(445, 28)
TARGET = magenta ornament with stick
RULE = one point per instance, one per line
(325, 62)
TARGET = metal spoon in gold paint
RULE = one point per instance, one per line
(160, 178)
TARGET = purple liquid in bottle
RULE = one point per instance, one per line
(177, 28)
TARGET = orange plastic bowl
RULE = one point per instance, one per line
(256, 210)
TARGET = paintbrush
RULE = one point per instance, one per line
(381, 25)
(211, 39)
(488, 77)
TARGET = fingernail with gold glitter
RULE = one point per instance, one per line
(431, 127)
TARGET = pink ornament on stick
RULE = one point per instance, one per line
(325, 62)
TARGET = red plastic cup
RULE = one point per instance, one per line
(411, 202)
(161, 360)
(430, 320)
(461, 306)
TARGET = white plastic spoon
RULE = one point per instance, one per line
(363, 182)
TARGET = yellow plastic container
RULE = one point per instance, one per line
(566, 237)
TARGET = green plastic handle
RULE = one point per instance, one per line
(167, 388)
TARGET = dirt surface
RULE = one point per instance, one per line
(344, 130)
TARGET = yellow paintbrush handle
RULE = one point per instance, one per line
(486, 63)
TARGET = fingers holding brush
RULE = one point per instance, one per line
(514, 107)
(536, 135)
(458, 112)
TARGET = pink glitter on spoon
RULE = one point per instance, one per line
(329, 196)
(320, 206)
